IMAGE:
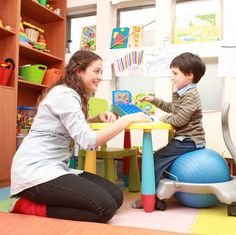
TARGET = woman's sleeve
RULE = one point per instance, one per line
(69, 110)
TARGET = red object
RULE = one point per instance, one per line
(148, 202)
(126, 160)
(5, 72)
(51, 76)
(25, 206)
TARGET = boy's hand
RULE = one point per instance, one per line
(147, 98)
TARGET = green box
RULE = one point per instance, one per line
(33, 73)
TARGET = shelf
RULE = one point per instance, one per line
(38, 12)
(5, 32)
(6, 87)
(30, 85)
(37, 56)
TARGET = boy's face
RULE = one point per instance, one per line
(180, 79)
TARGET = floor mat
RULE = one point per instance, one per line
(210, 221)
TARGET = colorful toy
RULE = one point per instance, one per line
(23, 38)
(122, 103)
(147, 107)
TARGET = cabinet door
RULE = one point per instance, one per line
(7, 131)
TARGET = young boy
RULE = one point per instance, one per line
(185, 113)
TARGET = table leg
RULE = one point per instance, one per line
(148, 176)
(90, 161)
(126, 160)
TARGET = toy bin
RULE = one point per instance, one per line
(5, 72)
(33, 73)
(51, 76)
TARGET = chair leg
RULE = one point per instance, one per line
(109, 169)
(134, 177)
(81, 163)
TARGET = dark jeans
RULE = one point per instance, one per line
(84, 197)
(165, 156)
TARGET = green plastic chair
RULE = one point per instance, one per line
(109, 155)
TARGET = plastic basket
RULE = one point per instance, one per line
(51, 76)
(33, 73)
(5, 72)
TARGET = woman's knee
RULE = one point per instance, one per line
(106, 212)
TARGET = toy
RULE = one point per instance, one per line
(122, 103)
(23, 38)
(224, 191)
(147, 107)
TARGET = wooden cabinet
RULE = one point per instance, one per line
(17, 91)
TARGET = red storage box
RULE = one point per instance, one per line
(5, 72)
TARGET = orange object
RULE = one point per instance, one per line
(51, 76)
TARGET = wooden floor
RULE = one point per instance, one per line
(12, 224)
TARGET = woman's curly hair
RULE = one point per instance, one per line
(78, 62)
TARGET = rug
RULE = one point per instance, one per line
(177, 218)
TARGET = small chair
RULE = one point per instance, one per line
(109, 155)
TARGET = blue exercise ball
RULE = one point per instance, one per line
(200, 166)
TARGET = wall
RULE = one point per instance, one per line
(106, 18)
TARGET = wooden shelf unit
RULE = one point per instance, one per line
(17, 91)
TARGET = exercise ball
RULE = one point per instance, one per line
(199, 166)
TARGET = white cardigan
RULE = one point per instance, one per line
(45, 153)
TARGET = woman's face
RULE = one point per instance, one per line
(92, 76)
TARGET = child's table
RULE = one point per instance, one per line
(148, 191)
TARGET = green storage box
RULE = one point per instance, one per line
(33, 73)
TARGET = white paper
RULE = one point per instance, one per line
(227, 61)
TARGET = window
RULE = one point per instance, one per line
(197, 21)
(211, 100)
(127, 17)
(75, 25)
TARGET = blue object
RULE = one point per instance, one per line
(148, 176)
(200, 166)
(123, 109)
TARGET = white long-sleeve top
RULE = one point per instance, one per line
(45, 152)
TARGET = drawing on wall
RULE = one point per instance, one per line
(88, 38)
(198, 28)
(129, 63)
(136, 36)
(119, 38)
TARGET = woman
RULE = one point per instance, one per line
(41, 181)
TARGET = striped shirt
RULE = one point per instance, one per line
(185, 114)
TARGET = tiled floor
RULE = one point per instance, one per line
(4, 193)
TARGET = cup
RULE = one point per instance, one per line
(43, 2)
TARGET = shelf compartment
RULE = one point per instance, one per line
(31, 85)
(38, 56)
(38, 12)
(5, 32)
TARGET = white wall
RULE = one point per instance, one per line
(106, 21)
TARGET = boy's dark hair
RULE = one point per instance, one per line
(189, 63)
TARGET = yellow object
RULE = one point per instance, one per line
(87, 159)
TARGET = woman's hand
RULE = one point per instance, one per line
(107, 117)
(138, 117)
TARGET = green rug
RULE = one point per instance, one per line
(6, 204)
